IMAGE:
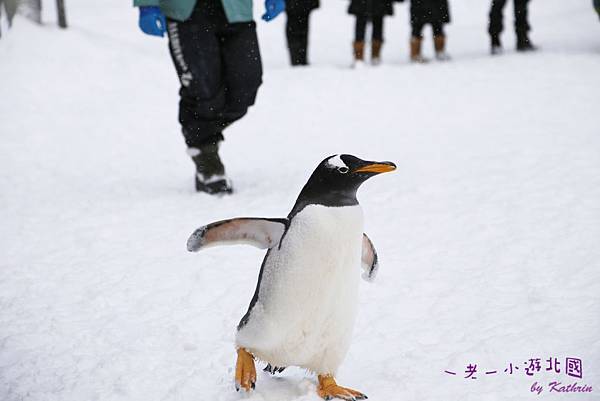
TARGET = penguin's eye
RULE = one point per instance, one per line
(343, 170)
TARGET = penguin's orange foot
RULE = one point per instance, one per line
(245, 372)
(328, 389)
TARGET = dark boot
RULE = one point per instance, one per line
(496, 47)
(439, 44)
(359, 51)
(376, 51)
(415, 50)
(298, 55)
(210, 171)
(524, 44)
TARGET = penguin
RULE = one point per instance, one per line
(304, 306)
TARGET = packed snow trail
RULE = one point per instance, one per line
(487, 234)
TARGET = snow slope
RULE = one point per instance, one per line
(487, 233)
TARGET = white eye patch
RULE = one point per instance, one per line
(336, 162)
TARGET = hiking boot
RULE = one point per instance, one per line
(376, 51)
(439, 44)
(210, 171)
(415, 50)
(496, 45)
(298, 56)
(359, 52)
(524, 44)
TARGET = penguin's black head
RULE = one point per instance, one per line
(337, 178)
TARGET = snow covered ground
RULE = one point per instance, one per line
(488, 233)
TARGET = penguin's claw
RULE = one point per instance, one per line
(245, 372)
(328, 390)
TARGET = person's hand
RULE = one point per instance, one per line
(273, 9)
(152, 21)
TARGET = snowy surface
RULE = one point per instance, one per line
(488, 234)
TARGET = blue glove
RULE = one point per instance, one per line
(152, 21)
(273, 9)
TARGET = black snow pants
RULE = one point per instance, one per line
(417, 29)
(361, 27)
(219, 67)
(296, 31)
(496, 24)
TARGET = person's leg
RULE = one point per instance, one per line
(195, 49)
(415, 43)
(496, 25)
(11, 9)
(521, 22)
(377, 21)
(522, 26)
(297, 37)
(242, 69)
(376, 39)
(439, 41)
(417, 30)
(359, 37)
(360, 29)
(306, 29)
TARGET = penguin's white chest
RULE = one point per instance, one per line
(308, 291)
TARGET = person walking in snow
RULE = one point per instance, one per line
(214, 47)
(521, 26)
(367, 11)
(423, 12)
(10, 6)
(296, 29)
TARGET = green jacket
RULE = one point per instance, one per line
(180, 10)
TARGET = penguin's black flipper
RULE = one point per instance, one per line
(259, 232)
(273, 369)
(370, 261)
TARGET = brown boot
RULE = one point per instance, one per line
(415, 50)
(359, 51)
(439, 44)
(376, 51)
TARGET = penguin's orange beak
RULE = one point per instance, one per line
(377, 168)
